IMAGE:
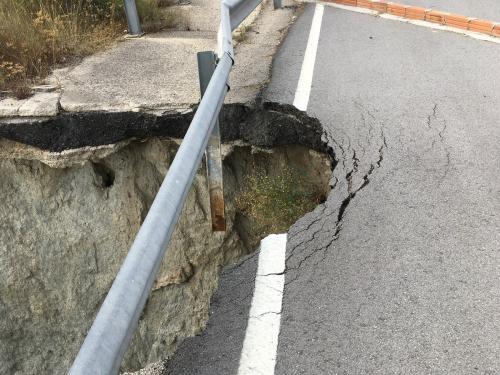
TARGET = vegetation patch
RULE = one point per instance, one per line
(157, 15)
(36, 35)
(273, 202)
(241, 34)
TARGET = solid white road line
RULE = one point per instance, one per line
(426, 24)
(306, 73)
(260, 346)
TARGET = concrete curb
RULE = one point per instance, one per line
(430, 15)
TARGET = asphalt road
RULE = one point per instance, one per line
(487, 9)
(399, 271)
(217, 350)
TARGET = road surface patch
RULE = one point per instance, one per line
(470, 26)
(306, 73)
(260, 346)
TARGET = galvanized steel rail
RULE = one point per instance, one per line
(134, 24)
(116, 321)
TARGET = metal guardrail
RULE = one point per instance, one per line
(134, 24)
(117, 319)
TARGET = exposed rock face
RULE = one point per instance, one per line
(64, 233)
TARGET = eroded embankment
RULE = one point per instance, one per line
(69, 217)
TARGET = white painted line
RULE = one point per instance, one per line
(306, 72)
(258, 356)
(429, 25)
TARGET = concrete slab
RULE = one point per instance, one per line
(43, 104)
(10, 107)
(158, 72)
(202, 15)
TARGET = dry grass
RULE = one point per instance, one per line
(156, 15)
(274, 202)
(36, 35)
(240, 35)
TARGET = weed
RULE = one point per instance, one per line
(154, 18)
(274, 202)
(241, 34)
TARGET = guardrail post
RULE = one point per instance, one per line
(206, 67)
(277, 4)
(134, 24)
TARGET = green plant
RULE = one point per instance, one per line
(273, 202)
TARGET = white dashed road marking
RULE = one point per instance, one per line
(306, 73)
(258, 356)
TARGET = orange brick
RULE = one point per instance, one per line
(458, 25)
(365, 4)
(481, 26)
(347, 2)
(379, 6)
(496, 30)
(457, 20)
(435, 16)
(396, 9)
(416, 13)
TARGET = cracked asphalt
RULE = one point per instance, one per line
(398, 272)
